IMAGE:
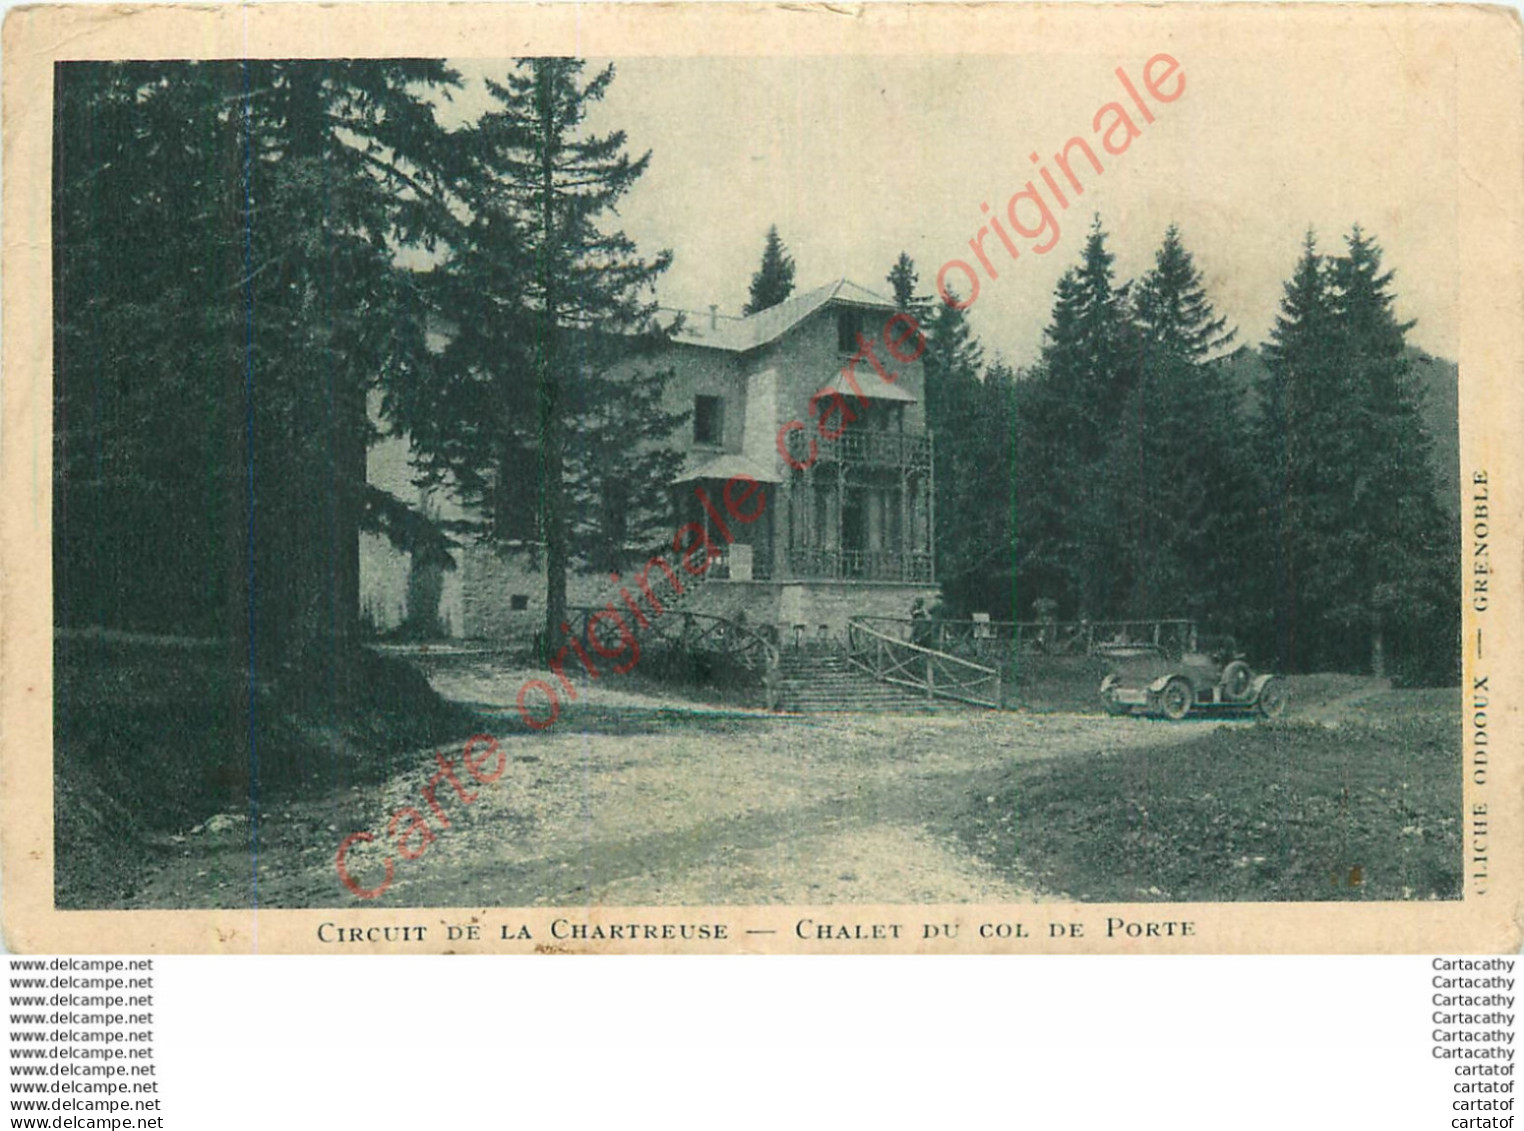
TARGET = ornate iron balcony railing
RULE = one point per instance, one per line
(860, 565)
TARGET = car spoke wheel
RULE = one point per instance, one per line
(1236, 680)
(1272, 698)
(1175, 699)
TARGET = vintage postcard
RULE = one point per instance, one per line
(762, 478)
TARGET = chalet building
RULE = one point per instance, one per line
(841, 456)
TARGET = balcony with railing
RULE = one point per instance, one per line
(862, 447)
(860, 565)
(880, 449)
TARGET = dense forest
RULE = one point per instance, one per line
(249, 253)
(1298, 495)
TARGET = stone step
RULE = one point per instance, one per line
(847, 689)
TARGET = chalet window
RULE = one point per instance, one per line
(849, 324)
(708, 420)
(518, 602)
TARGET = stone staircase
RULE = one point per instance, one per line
(818, 679)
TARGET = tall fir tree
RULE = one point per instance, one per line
(585, 288)
(1070, 549)
(774, 278)
(342, 156)
(952, 363)
(1099, 360)
(1181, 484)
(245, 215)
(147, 378)
(903, 280)
(1302, 448)
(991, 509)
(1397, 534)
(1171, 307)
(620, 458)
(1364, 554)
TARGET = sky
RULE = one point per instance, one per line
(858, 158)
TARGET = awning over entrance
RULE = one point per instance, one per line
(872, 387)
(727, 467)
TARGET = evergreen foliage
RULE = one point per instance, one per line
(1185, 491)
(953, 365)
(1363, 551)
(1069, 544)
(585, 285)
(249, 256)
(225, 234)
(544, 300)
(774, 278)
(970, 411)
(233, 297)
(903, 280)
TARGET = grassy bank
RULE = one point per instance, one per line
(1365, 808)
(155, 735)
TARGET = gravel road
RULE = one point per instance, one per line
(686, 806)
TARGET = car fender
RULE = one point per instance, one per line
(1158, 685)
(1257, 686)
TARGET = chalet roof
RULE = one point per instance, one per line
(738, 335)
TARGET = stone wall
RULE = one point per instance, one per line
(807, 603)
(495, 580)
(833, 603)
(384, 569)
(384, 588)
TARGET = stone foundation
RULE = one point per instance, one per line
(811, 604)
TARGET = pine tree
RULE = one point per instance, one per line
(231, 290)
(1171, 307)
(583, 291)
(1301, 441)
(991, 513)
(619, 455)
(903, 280)
(1397, 533)
(774, 279)
(146, 379)
(1183, 487)
(344, 148)
(952, 364)
(1364, 554)
(1070, 547)
(1103, 353)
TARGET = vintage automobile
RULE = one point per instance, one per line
(1146, 680)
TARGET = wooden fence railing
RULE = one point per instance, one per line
(993, 639)
(691, 632)
(939, 675)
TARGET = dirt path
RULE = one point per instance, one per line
(685, 806)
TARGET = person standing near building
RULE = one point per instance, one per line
(920, 623)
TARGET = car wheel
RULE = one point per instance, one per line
(1175, 699)
(1272, 698)
(1236, 680)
